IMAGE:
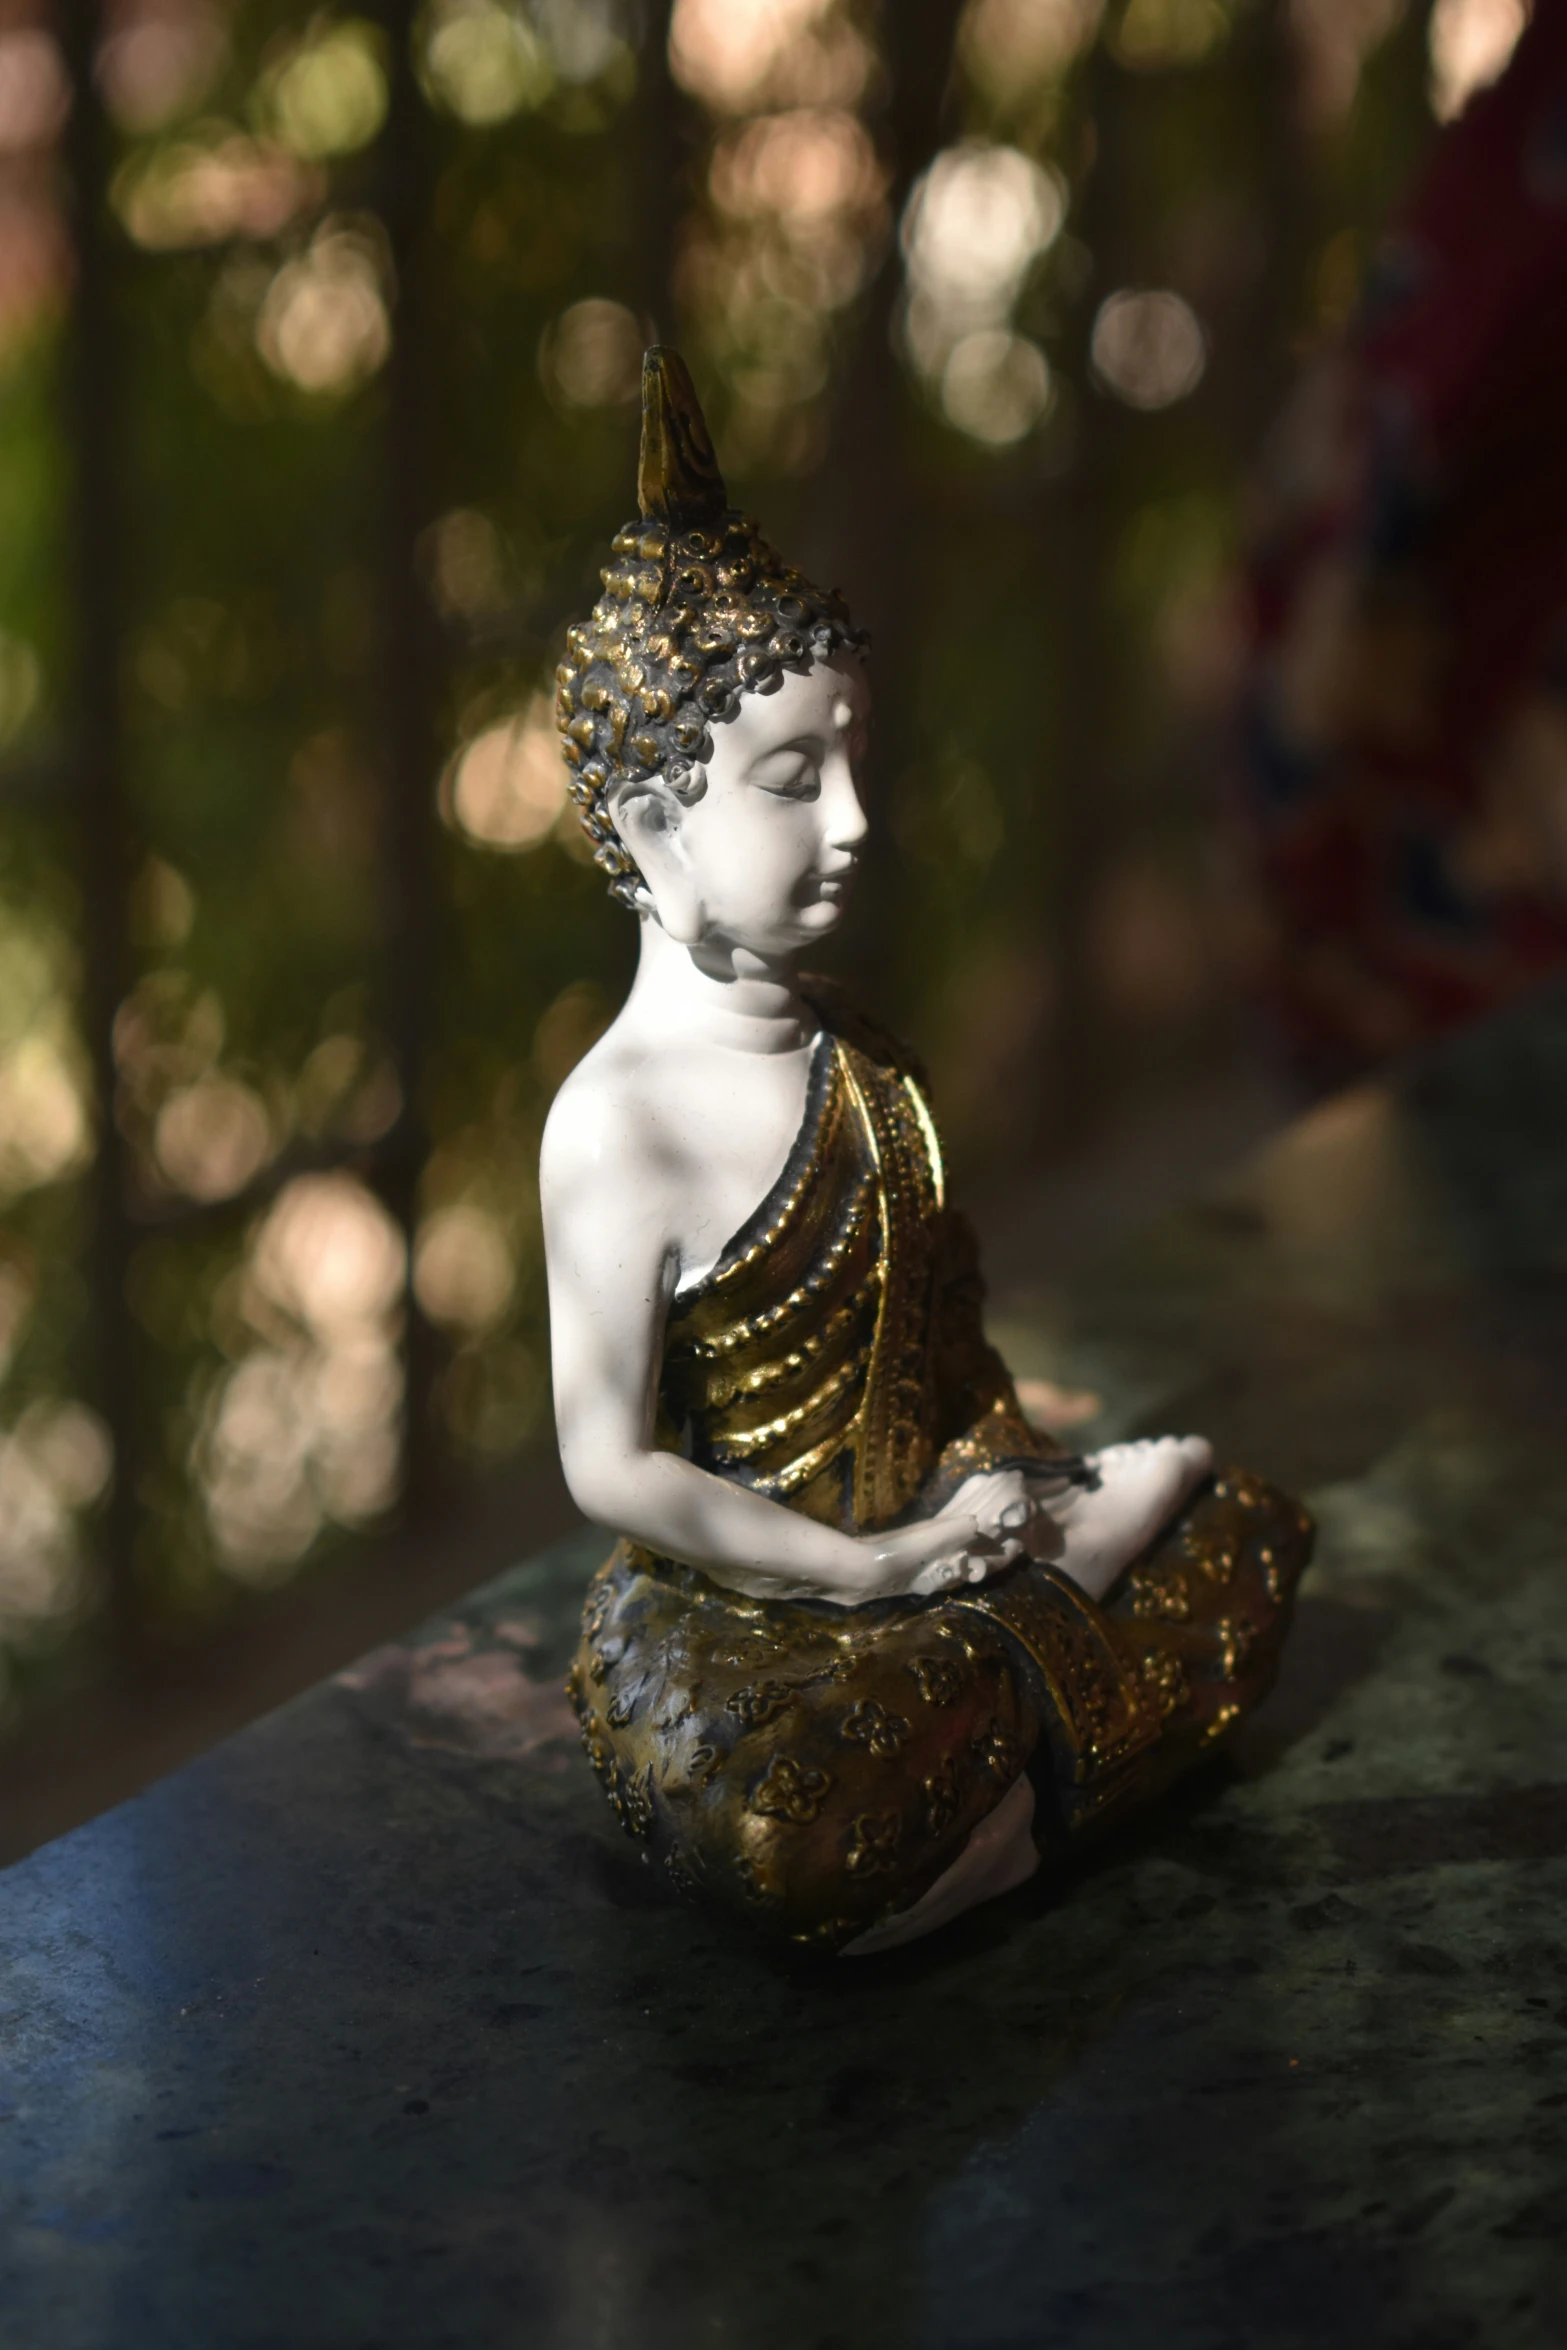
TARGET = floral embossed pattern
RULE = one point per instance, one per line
(873, 1846)
(789, 1791)
(938, 1678)
(871, 1725)
(847, 1785)
(759, 1702)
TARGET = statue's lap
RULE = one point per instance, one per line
(813, 1769)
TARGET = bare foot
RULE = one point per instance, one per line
(999, 1854)
(1102, 1528)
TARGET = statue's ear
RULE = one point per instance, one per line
(649, 815)
(646, 814)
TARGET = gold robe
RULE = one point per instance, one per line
(814, 1769)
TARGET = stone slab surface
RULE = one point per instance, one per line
(369, 2030)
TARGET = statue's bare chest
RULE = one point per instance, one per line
(732, 1120)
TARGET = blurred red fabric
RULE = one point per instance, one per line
(1406, 735)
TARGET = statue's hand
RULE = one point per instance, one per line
(988, 1524)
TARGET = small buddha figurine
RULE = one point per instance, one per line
(868, 1648)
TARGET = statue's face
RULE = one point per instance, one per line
(764, 858)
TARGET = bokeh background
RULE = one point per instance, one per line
(1054, 331)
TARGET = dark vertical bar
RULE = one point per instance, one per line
(92, 410)
(1087, 807)
(862, 530)
(662, 141)
(403, 686)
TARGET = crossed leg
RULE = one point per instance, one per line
(1098, 1531)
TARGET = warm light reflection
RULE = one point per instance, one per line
(44, 1129)
(799, 167)
(1335, 38)
(304, 1428)
(167, 1033)
(586, 38)
(995, 386)
(21, 681)
(591, 356)
(1153, 35)
(35, 90)
(467, 563)
(484, 63)
(1148, 348)
(193, 192)
(725, 52)
(210, 1138)
(159, 59)
(43, 1121)
(796, 213)
(463, 1269)
(323, 322)
(1471, 43)
(798, 201)
(507, 787)
(329, 1255)
(55, 1462)
(346, 1088)
(976, 222)
(328, 95)
(1012, 45)
(162, 905)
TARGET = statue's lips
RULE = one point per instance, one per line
(833, 888)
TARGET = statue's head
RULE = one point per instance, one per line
(698, 616)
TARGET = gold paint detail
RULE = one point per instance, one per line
(938, 1678)
(873, 1845)
(1000, 1754)
(871, 1725)
(1164, 1596)
(759, 1702)
(790, 1791)
(1165, 1678)
(1235, 1636)
(943, 1800)
(927, 1127)
(1105, 1719)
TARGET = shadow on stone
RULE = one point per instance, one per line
(1331, 1647)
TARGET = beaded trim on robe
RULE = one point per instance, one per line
(802, 1358)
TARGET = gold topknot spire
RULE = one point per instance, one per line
(678, 480)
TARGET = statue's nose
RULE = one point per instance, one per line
(847, 823)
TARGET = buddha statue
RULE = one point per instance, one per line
(869, 1648)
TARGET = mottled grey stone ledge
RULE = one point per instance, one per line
(369, 2029)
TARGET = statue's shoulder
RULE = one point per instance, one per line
(601, 1122)
(841, 1012)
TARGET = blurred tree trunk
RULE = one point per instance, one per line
(860, 530)
(661, 146)
(93, 422)
(407, 745)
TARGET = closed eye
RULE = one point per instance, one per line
(789, 776)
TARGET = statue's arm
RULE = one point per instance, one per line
(608, 1192)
